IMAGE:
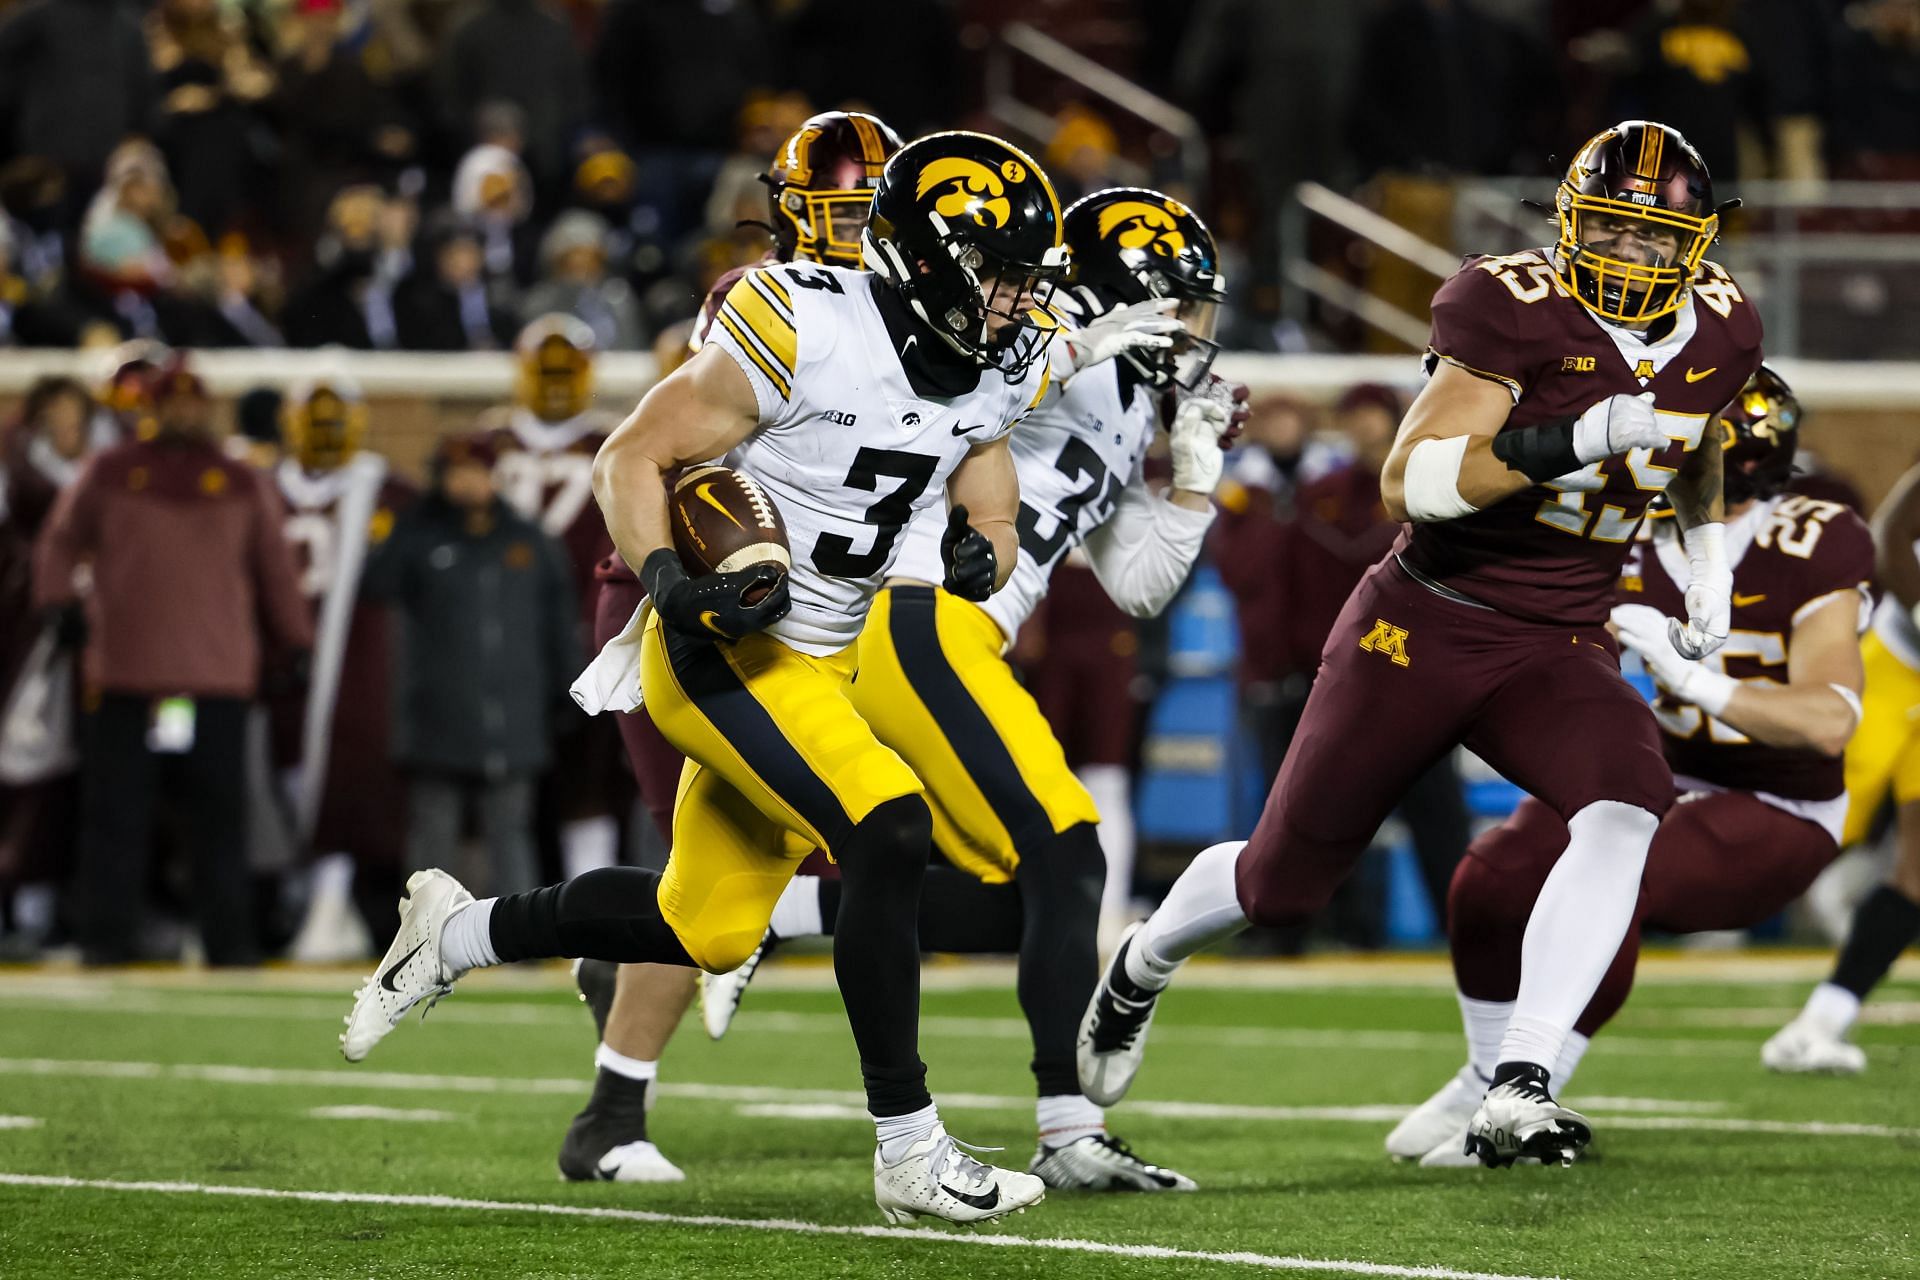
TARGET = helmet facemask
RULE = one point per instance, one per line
(1187, 363)
(824, 226)
(323, 429)
(976, 287)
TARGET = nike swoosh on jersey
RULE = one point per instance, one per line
(386, 979)
(1695, 377)
(990, 1200)
(1741, 602)
(960, 431)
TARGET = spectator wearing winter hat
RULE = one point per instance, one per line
(186, 567)
(445, 303)
(493, 195)
(486, 647)
(573, 259)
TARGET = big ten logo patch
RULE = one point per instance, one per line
(1578, 364)
(1388, 641)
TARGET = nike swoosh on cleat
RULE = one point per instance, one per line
(386, 979)
(991, 1200)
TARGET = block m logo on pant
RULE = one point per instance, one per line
(1387, 640)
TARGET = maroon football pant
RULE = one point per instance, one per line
(1721, 860)
(1406, 676)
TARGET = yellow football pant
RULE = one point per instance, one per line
(1884, 755)
(778, 763)
(935, 688)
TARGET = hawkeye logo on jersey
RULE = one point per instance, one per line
(1388, 641)
(973, 190)
(1578, 364)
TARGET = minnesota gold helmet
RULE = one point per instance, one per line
(1759, 435)
(1636, 215)
(1132, 245)
(966, 229)
(323, 422)
(556, 367)
(821, 184)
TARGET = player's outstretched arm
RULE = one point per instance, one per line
(1817, 709)
(1896, 527)
(987, 486)
(696, 413)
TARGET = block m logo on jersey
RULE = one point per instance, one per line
(1388, 641)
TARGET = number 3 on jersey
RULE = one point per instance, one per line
(1568, 512)
(833, 553)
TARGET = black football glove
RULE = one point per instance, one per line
(714, 606)
(969, 558)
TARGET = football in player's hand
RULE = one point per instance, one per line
(724, 522)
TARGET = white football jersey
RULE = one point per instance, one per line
(1074, 454)
(847, 449)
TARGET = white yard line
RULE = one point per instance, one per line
(783, 1226)
(400, 1115)
(1372, 1113)
(20, 1122)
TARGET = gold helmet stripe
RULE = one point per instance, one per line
(873, 149)
(1653, 141)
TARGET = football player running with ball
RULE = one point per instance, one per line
(1568, 387)
(1017, 826)
(852, 400)
(1754, 735)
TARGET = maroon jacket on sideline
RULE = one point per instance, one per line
(188, 563)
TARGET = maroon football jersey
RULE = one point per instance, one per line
(1550, 553)
(1799, 552)
(545, 472)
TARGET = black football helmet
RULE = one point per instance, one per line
(821, 183)
(1644, 177)
(966, 228)
(1760, 433)
(1132, 245)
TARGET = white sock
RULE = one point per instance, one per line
(1578, 922)
(897, 1133)
(797, 913)
(333, 878)
(1486, 1023)
(1202, 908)
(1111, 787)
(589, 844)
(466, 939)
(1570, 1054)
(1067, 1116)
(1833, 1009)
(621, 1065)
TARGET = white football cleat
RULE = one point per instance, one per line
(411, 970)
(1441, 1118)
(1520, 1118)
(936, 1179)
(721, 993)
(1803, 1047)
(631, 1162)
(1100, 1162)
(1113, 1034)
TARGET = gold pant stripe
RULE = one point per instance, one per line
(934, 686)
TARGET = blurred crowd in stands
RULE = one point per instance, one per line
(430, 174)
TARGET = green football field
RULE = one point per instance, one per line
(155, 1123)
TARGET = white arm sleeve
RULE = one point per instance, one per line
(1432, 480)
(1142, 553)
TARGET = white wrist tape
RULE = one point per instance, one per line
(1710, 691)
(1432, 481)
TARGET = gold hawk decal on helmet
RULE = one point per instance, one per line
(976, 191)
(1139, 225)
